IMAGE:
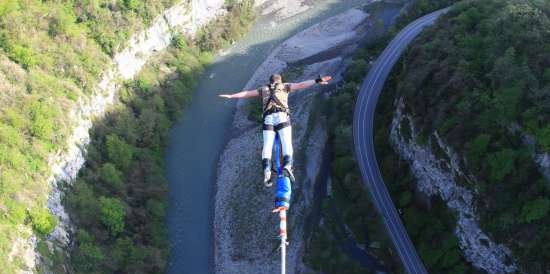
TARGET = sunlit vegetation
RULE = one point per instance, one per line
(431, 227)
(51, 54)
(119, 199)
(480, 79)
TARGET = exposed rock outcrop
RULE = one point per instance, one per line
(281, 9)
(245, 238)
(543, 160)
(437, 177)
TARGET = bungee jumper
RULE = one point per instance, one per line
(276, 119)
(277, 134)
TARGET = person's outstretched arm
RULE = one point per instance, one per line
(242, 94)
(308, 83)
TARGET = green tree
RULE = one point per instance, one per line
(84, 200)
(501, 164)
(112, 214)
(156, 209)
(477, 148)
(88, 257)
(119, 152)
(111, 175)
(546, 75)
(121, 252)
(357, 70)
(543, 138)
(535, 210)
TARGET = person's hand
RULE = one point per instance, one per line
(225, 96)
(325, 79)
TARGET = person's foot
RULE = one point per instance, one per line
(267, 178)
(287, 168)
(287, 172)
(266, 164)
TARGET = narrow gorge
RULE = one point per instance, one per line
(182, 19)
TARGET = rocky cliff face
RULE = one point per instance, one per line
(541, 159)
(185, 18)
(245, 229)
(437, 176)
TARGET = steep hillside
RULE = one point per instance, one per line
(466, 112)
(118, 201)
(53, 55)
(349, 214)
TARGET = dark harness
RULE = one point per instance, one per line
(274, 109)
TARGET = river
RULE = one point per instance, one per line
(197, 139)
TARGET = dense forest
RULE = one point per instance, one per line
(349, 207)
(479, 78)
(51, 54)
(119, 199)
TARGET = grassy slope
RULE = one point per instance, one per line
(51, 53)
(481, 70)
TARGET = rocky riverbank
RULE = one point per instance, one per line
(245, 229)
(282, 8)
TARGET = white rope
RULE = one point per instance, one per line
(282, 227)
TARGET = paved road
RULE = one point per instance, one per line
(363, 125)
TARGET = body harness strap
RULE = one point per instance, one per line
(277, 127)
(280, 105)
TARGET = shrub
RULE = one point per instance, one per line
(112, 214)
(119, 152)
(543, 138)
(111, 175)
(501, 164)
(156, 209)
(477, 148)
(535, 210)
(88, 257)
(22, 55)
(15, 119)
(11, 136)
(42, 127)
(179, 42)
(62, 22)
(43, 222)
(7, 6)
(131, 4)
(546, 75)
